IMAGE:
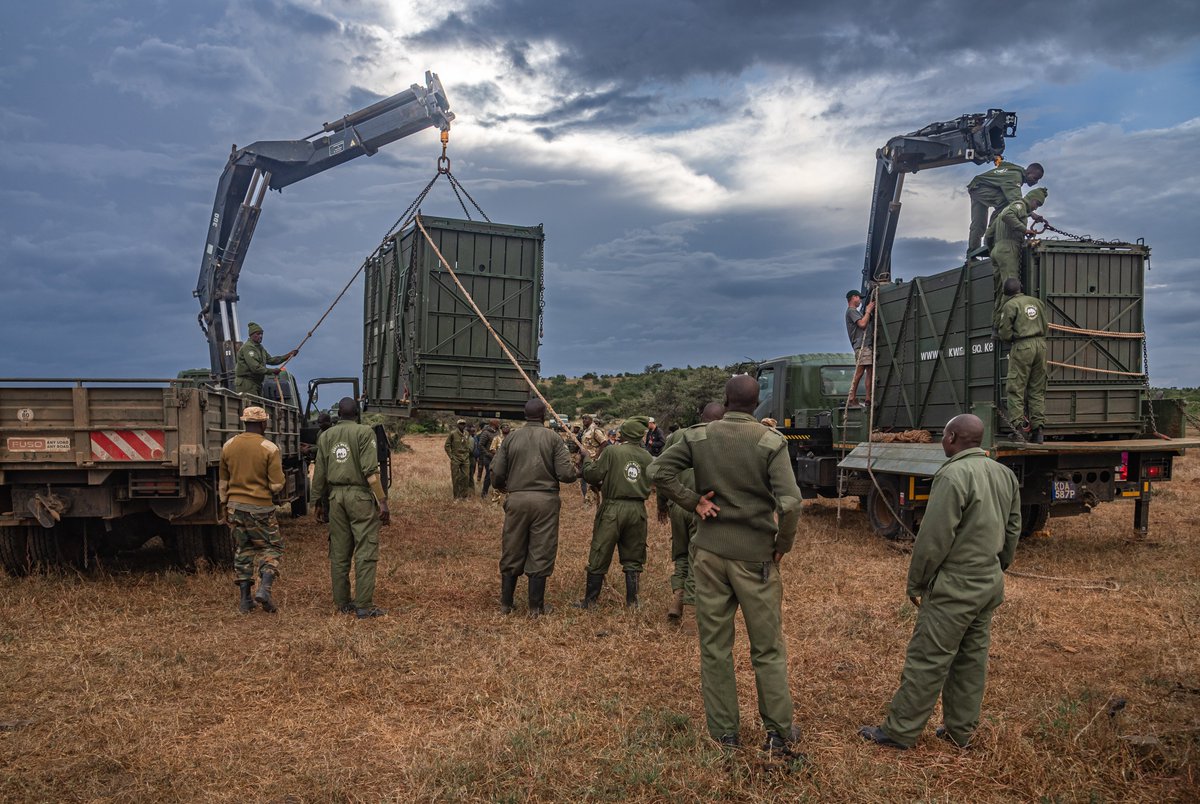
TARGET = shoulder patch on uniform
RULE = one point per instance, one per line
(269, 446)
(697, 433)
(771, 440)
(230, 441)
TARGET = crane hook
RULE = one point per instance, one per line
(443, 163)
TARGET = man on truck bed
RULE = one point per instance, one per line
(862, 340)
(1023, 324)
(956, 579)
(1006, 236)
(251, 472)
(252, 361)
(993, 190)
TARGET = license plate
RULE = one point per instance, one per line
(39, 444)
(1064, 490)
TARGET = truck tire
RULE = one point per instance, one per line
(220, 544)
(1033, 519)
(14, 551)
(883, 507)
(43, 548)
(190, 548)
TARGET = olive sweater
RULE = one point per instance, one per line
(251, 470)
(748, 467)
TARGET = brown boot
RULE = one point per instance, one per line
(675, 610)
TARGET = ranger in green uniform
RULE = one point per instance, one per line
(683, 525)
(252, 360)
(1023, 324)
(749, 507)
(993, 190)
(349, 495)
(1006, 238)
(620, 471)
(251, 473)
(458, 447)
(956, 579)
(528, 465)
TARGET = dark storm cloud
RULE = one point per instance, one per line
(631, 42)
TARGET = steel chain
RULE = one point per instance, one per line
(1046, 226)
(1146, 382)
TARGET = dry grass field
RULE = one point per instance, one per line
(140, 683)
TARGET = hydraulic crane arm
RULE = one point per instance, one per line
(275, 164)
(977, 138)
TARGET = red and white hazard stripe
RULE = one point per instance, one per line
(128, 445)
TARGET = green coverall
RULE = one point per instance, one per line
(529, 465)
(747, 467)
(992, 190)
(621, 520)
(250, 369)
(967, 539)
(346, 460)
(1023, 324)
(458, 447)
(1006, 234)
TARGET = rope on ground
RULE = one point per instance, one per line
(1099, 585)
(487, 324)
(1095, 370)
(1096, 333)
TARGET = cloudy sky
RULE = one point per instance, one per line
(702, 167)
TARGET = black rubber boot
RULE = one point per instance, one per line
(263, 595)
(594, 584)
(508, 587)
(246, 604)
(631, 589)
(1036, 437)
(537, 597)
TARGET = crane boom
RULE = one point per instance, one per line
(977, 138)
(275, 164)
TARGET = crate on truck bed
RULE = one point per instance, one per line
(423, 345)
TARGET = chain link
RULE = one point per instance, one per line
(1146, 376)
(1046, 227)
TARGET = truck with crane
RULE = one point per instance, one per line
(90, 467)
(936, 356)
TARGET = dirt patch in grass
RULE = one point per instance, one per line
(142, 683)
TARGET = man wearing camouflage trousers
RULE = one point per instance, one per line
(251, 472)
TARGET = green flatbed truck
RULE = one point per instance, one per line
(935, 357)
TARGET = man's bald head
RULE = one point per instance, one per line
(535, 410)
(741, 393)
(347, 409)
(1012, 286)
(712, 412)
(962, 432)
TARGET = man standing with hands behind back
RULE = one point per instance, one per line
(956, 579)
(348, 494)
(749, 508)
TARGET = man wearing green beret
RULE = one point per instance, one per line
(1006, 238)
(252, 362)
(620, 471)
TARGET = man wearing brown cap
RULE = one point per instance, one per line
(251, 473)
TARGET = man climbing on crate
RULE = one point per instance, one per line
(993, 190)
(1023, 324)
(1006, 238)
(862, 340)
(252, 364)
(251, 473)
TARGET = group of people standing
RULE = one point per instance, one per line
(999, 228)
